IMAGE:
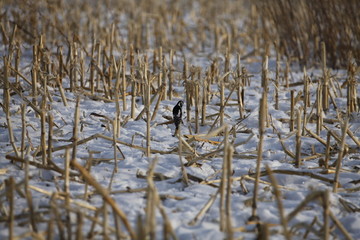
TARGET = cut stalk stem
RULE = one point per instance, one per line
(340, 156)
(278, 197)
(88, 178)
(327, 151)
(43, 135)
(50, 137)
(10, 187)
(298, 139)
(75, 128)
(171, 74)
(262, 118)
(292, 106)
(325, 88)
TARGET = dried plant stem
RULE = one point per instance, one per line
(61, 89)
(61, 62)
(187, 90)
(183, 169)
(278, 197)
(240, 98)
(18, 74)
(205, 208)
(50, 137)
(327, 150)
(109, 79)
(298, 139)
(124, 83)
(92, 69)
(34, 76)
(114, 142)
(311, 225)
(228, 158)
(159, 91)
(55, 212)
(223, 185)
(17, 60)
(43, 136)
(133, 97)
(67, 191)
(150, 222)
(79, 226)
(116, 121)
(147, 107)
(98, 75)
(316, 136)
(221, 111)
(197, 98)
(306, 99)
(352, 99)
(326, 205)
(10, 185)
(340, 155)
(277, 79)
(264, 85)
(90, 180)
(286, 74)
(353, 137)
(72, 74)
(93, 225)
(32, 105)
(23, 130)
(325, 88)
(168, 229)
(300, 173)
(163, 77)
(88, 168)
(82, 70)
(105, 222)
(171, 74)
(38, 165)
(67, 171)
(140, 228)
(204, 102)
(333, 134)
(75, 129)
(262, 119)
(29, 196)
(160, 65)
(287, 151)
(154, 201)
(115, 169)
(50, 227)
(306, 90)
(310, 197)
(97, 135)
(292, 106)
(319, 110)
(118, 230)
(340, 226)
(222, 104)
(6, 104)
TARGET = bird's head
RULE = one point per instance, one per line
(180, 103)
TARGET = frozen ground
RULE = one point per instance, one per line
(181, 202)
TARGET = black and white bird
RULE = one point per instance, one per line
(177, 115)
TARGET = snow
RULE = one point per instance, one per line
(195, 195)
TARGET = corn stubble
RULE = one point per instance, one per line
(107, 60)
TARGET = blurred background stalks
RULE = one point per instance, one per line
(300, 26)
(295, 28)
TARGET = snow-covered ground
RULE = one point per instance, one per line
(182, 203)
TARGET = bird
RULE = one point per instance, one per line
(177, 115)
